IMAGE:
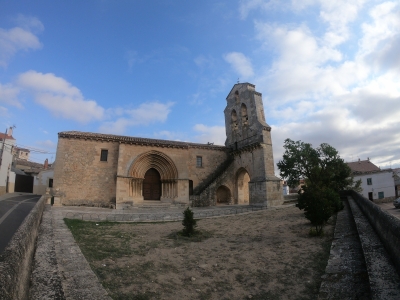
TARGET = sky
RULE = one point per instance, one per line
(329, 71)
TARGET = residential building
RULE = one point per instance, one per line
(21, 153)
(7, 143)
(377, 185)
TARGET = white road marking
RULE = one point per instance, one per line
(12, 209)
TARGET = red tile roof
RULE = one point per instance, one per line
(362, 166)
(2, 136)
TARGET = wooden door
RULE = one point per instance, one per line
(152, 185)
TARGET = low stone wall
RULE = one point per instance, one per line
(292, 198)
(386, 226)
(16, 260)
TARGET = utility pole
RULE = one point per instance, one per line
(2, 148)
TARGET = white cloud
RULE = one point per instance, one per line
(212, 134)
(9, 95)
(19, 38)
(240, 63)
(47, 144)
(145, 114)
(60, 97)
(333, 83)
(3, 112)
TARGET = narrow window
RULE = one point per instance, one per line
(104, 154)
(369, 181)
(381, 195)
(199, 161)
(190, 187)
(50, 182)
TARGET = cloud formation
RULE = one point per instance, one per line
(212, 134)
(19, 38)
(240, 63)
(60, 97)
(334, 79)
(145, 114)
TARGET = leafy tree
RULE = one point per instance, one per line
(325, 174)
(189, 223)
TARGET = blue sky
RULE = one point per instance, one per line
(328, 70)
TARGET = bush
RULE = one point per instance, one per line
(319, 205)
(189, 223)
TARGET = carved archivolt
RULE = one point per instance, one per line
(165, 167)
(157, 160)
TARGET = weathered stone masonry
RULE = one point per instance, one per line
(119, 171)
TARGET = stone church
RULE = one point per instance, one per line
(120, 171)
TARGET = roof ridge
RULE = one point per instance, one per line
(136, 140)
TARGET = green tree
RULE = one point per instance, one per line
(189, 223)
(325, 174)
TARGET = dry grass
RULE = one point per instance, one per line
(262, 255)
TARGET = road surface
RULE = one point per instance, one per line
(13, 210)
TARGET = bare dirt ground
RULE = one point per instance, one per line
(262, 255)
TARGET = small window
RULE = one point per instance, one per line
(50, 182)
(369, 181)
(199, 161)
(381, 195)
(104, 154)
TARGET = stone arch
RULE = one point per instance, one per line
(156, 160)
(223, 194)
(163, 165)
(244, 114)
(242, 183)
(234, 119)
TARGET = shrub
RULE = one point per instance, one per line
(189, 223)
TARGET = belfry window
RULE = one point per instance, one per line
(234, 119)
(245, 117)
(104, 155)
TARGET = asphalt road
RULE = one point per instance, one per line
(13, 211)
(389, 207)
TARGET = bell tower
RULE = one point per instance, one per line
(249, 138)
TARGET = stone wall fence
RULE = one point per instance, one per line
(16, 260)
(385, 225)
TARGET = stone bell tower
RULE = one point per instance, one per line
(249, 137)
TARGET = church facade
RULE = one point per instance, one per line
(120, 171)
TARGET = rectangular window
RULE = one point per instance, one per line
(104, 154)
(50, 182)
(369, 181)
(199, 161)
(381, 195)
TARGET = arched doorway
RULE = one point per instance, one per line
(223, 195)
(152, 185)
(243, 179)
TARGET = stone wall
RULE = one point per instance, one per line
(80, 178)
(16, 260)
(386, 226)
(208, 197)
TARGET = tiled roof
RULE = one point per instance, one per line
(363, 166)
(2, 136)
(22, 149)
(135, 140)
(27, 163)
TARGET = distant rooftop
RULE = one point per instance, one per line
(363, 166)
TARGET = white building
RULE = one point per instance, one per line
(377, 185)
(7, 177)
(43, 181)
(21, 153)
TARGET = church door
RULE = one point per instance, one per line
(152, 185)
